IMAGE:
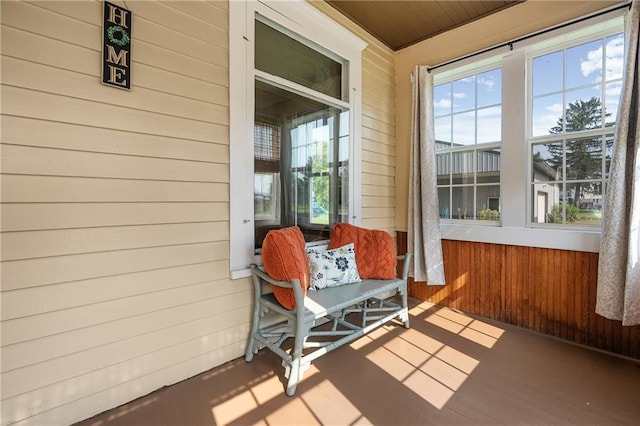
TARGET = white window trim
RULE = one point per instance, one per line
(515, 192)
(305, 21)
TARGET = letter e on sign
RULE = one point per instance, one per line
(116, 46)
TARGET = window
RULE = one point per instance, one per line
(468, 132)
(310, 166)
(574, 93)
(524, 137)
(295, 126)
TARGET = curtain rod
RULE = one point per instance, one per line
(510, 43)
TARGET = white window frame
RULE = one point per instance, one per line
(304, 22)
(474, 148)
(543, 49)
(515, 226)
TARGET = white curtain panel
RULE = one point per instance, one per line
(423, 239)
(618, 294)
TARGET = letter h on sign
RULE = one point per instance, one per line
(116, 50)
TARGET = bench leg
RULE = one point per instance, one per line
(255, 324)
(404, 315)
(296, 369)
(295, 375)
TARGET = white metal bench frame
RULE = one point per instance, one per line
(332, 304)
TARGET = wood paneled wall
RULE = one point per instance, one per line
(545, 290)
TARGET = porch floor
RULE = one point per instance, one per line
(447, 369)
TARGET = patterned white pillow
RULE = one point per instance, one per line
(331, 268)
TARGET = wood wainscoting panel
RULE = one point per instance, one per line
(546, 290)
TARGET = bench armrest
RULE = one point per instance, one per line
(258, 274)
(405, 266)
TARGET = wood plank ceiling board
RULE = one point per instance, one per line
(399, 24)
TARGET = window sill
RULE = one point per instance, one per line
(237, 274)
(562, 239)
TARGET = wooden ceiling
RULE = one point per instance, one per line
(399, 24)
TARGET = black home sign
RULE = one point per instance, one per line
(116, 51)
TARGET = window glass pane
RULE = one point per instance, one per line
(472, 114)
(586, 208)
(462, 202)
(567, 176)
(488, 202)
(464, 94)
(547, 161)
(443, 132)
(608, 143)
(546, 114)
(489, 88)
(320, 198)
(443, 168)
(584, 64)
(444, 201)
(545, 201)
(584, 110)
(488, 170)
(275, 53)
(547, 73)
(442, 100)
(614, 49)
(464, 128)
(490, 124)
(309, 183)
(264, 194)
(584, 158)
(462, 167)
(612, 94)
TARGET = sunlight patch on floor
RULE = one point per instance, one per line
(267, 390)
(422, 341)
(324, 395)
(429, 389)
(424, 365)
(295, 413)
(444, 373)
(419, 309)
(409, 352)
(428, 367)
(360, 343)
(391, 363)
(259, 393)
(234, 408)
(488, 329)
(459, 360)
(445, 323)
(471, 329)
(369, 337)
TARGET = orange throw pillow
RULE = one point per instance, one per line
(375, 250)
(284, 258)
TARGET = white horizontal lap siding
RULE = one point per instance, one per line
(378, 139)
(115, 208)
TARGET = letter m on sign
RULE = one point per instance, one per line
(116, 46)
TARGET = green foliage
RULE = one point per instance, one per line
(581, 115)
(557, 213)
(488, 214)
(320, 164)
(583, 157)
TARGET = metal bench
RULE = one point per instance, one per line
(332, 305)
